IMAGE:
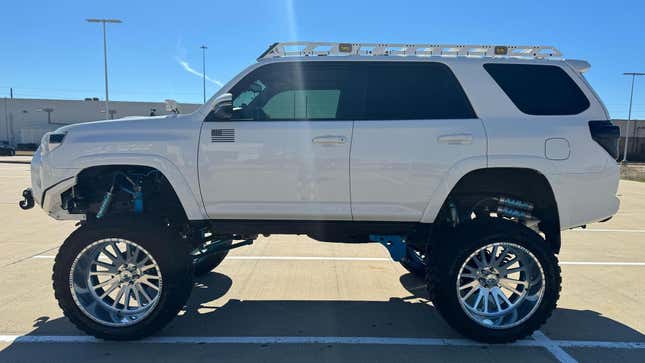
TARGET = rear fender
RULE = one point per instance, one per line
(466, 166)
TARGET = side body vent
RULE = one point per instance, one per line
(223, 135)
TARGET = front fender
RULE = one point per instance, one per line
(188, 197)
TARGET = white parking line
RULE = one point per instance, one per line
(606, 230)
(253, 340)
(537, 341)
(306, 258)
(310, 258)
(602, 263)
(322, 258)
(553, 348)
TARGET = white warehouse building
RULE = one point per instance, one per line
(26, 120)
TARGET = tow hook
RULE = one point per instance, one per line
(28, 199)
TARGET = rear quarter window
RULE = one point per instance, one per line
(539, 89)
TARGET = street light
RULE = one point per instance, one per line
(107, 98)
(629, 116)
(204, 70)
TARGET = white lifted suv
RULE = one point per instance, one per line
(466, 162)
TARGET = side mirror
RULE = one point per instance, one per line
(223, 108)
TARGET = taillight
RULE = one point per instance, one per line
(606, 134)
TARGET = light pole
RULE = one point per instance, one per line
(629, 116)
(204, 70)
(107, 98)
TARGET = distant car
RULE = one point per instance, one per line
(29, 146)
(6, 149)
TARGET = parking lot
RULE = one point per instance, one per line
(290, 298)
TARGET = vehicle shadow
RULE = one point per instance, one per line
(206, 314)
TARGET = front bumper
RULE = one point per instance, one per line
(47, 185)
(53, 204)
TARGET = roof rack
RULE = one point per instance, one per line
(304, 49)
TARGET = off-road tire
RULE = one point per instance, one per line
(453, 247)
(171, 253)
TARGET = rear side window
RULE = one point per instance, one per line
(414, 91)
(539, 89)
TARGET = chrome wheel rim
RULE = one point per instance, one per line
(115, 282)
(500, 285)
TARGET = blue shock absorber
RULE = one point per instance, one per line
(138, 201)
(105, 204)
(137, 198)
(136, 192)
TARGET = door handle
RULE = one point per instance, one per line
(329, 140)
(456, 139)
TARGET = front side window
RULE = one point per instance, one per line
(298, 91)
(316, 104)
(539, 89)
(247, 96)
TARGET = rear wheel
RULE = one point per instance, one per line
(494, 280)
(122, 281)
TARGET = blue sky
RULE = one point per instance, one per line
(47, 49)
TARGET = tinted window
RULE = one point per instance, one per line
(303, 105)
(299, 91)
(539, 89)
(414, 90)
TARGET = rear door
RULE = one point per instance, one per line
(417, 125)
(285, 153)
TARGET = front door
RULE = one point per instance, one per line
(285, 152)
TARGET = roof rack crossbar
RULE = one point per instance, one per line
(304, 49)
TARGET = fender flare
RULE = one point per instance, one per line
(450, 179)
(189, 198)
(465, 166)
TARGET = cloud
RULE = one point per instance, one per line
(189, 69)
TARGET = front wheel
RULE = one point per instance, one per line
(122, 281)
(494, 280)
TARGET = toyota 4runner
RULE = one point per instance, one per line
(466, 162)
